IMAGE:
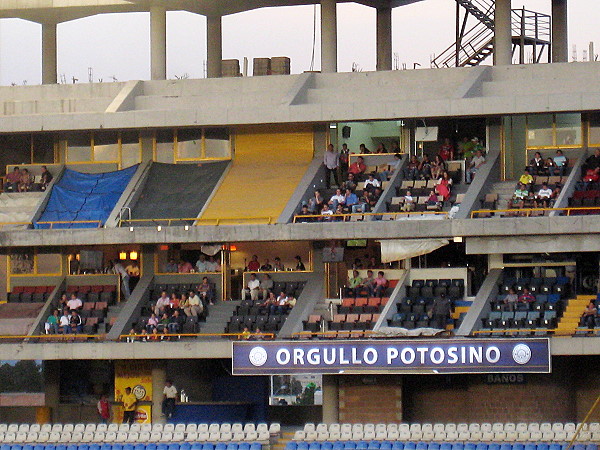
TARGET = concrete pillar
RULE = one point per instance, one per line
(328, 36)
(49, 71)
(52, 386)
(330, 399)
(158, 43)
(384, 39)
(503, 35)
(214, 44)
(560, 28)
(159, 376)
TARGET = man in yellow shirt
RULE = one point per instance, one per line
(129, 405)
(526, 179)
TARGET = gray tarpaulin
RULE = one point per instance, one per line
(399, 249)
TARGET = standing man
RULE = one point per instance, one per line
(103, 409)
(170, 395)
(331, 161)
(129, 405)
(120, 270)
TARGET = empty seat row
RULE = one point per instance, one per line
(150, 446)
(388, 445)
(27, 294)
(448, 427)
(362, 305)
(353, 322)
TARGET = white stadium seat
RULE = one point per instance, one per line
(190, 427)
(225, 428)
(178, 436)
(102, 427)
(68, 428)
(309, 427)
(79, 428)
(275, 428)
(249, 427)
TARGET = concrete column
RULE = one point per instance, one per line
(330, 399)
(560, 28)
(49, 71)
(52, 386)
(159, 376)
(328, 36)
(384, 39)
(503, 38)
(214, 44)
(158, 43)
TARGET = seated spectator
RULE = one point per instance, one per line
(367, 282)
(299, 263)
(388, 170)
(176, 322)
(51, 325)
(363, 150)
(395, 148)
(245, 335)
(326, 213)
(174, 303)
(549, 166)
(65, 322)
(201, 264)
(339, 214)
(440, 311)
(381, 148)
(278, 265)
(162, 304)
(269, 300)
(252, 288)
(380, 284)
(593, 161)
(76, 323)
(213, 265)
(444, 186)
(25, 181)
(372, 263)
(152, 323)
(372, 183)
(336, 199)
(291, 301)
(543, 197)
(172, 267)
(280, 306)
(362, 205)
(62, 304)
(206, 292)
(438, 167)
(447, 150)
(373, 198)
(75, 303)
(184, 267)
(301, 216)
(589, 315)
(433, 199)
(315, 203)
(253, 265)
(409, 202)
(519, 197)
(411, 171)
(425, 167)
(266, 267)
(195, 307)
(350, 183)
(591, 176)
(354, 284)
(526, 296)
(526, 179)
(475, 165)
(560, 164)
(266, 285)
(46, 178)
(510, 300)
(537, 165)
(163, 323)
(350, 199)
(357, 168)
(12, 180)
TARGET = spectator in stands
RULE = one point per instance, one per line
(589, 315)
(152, 323)
(336, 199)
(315, 203)
(465, 148)
(591, 176)
(373, 198)
(252, 288)
(25, 181)
(425, 167)
(280, 305)
(444, 186)
(593, 161)
(409, 202)
(510, 300)
(299, 263)
(175, 322)
(278, 265)
(51, 325)
(440, 311)
(395, 148)
(212, 265)
(475, 165)
(372, 262)
(253, 265)
(65, 322)
(103, 408)
(120, 270)
(62, 304)
(363, 150)
(195, 307)
(536, 165)
(266, 267)
(258, 335)
(543, 197)
(162, 304)
(185, 267)
(355, 284)
(433, 199)
(380, 284)
(438, 167)
(549, 166)
(526, 296)
(171, 267)
(372, 183)
(291, 301)
(447, 150)
(245, 334)
(358, 168)
(350, 183)
(381, 148)
(133, 270)
(526, 179)
(75, 303)
(519, 196)
(12, 180)
(266, 285)
(387, 170)
(201, 264)
(46, 178)
(169, 398)
(301, 216)
(344, 159)
(350, 199)
(163, 323)
(560, 162)
(331, 161)
(411, 171)
(326, 213)
(129, 406)
(174, 302)
(206, 292)
(75, 323)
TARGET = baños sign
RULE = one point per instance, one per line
(392, 356)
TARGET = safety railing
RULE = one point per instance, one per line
(51, 223)
(512, 331)
(261, 220)
(531, 24)
(531, 212)
(170, 336)
(41, 338)
(13, 224)
(473, 41)
(358, 217)
(183, 221)
(177, 221)
(335, 334)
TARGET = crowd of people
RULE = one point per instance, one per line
(204, 264)
(264, 288)
(66, 319)
(21, 180)
(529, 195)
(590, 173)
(277, 266)
(373, 286)
(551, 166)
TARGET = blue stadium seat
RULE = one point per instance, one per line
(93, 447)
(470, 446)
(30, 447)
(64, 447)
(482, 446)
(172, 446)
(158, 447)
(542, 447)
(385, 445)
(314, 446)
(256, 446)
(446, 446)
(5, 447)
(555, 447)
(421, 445)
(241, 446)
(518, 446)
(457, 446)
(579, 447)
(338, 445)
(128, 447)
(219, 446)
(195, 446)
(505, 447)
(102, 447)
(530, 447)
(120, 447)
(410, 446)
(41, 447)
(207, 446)
(302, 445)
(433, 446)
(69, 447)
(362, 445)
(495, 446)
(349, 445)
(591, 447)
(374, 445)
(16, 447)
(230, 446)
(399, 446)
(185, 446)
(326, 445)
(86, 447)
(289, 446)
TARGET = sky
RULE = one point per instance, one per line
(116, 46)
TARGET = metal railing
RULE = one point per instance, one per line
(80, 337)
(168, 336)
(69, 222)
(182, 221)
(358, 217)
(531, 24)
(15, 224)
(473, 41)
(529, 212)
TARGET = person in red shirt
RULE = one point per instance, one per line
(447, 150)
(253, 265)
(358, 167)
(380, 284)
(103, 409)
(185, 267)
(526, 296)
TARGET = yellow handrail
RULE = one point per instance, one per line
(2, 224)
(158, 221)
(395, 214)
(56, 222)
(158, 337)
(200, 221)
(530, 210)
(370, 333)
(73, 336)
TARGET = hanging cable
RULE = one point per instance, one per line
(314, 42)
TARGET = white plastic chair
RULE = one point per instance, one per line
(500, 436)
(166, 436)
(521, 427)
(487, 436)
(369, 435)
(90, 428)
(275, 428)
(404, 435)
(464, 435)
(113, 427)
(79, 428)
(428, 435)
(133, 436)
(110, 436)
(426, 427)
(32, 437)
(46, 428)
(358, 435)
(547, 436)
(263, 437)
(476, 436)
(99, 436)
(322, 435)
(369, 427)
(249, 427)
(439, 435)
(191, 427)
(135, 428)
(76, 436)
(13, 428)
(203, 428)
(225, 437)
(415, 427)
(158, 427)
(462, 427)
(21, 437)
(155, 436)
(416, 435)
(534, 426)
(121, 437)
(178, 436)
(68, 428)
(486, 427)
(146, 428)
(497, 427)
(192, 436)
(402, 427)
(570, 427)
(35, 428)
(214, 428)
(65, 437)
(508, 427)
(203, 436)
(535, 436)
(238, 436)
(474, 427)
(451, 436)
(3, 428)
(214, 437)
(43, 437)
(10, 437)
(309, 426)
(357, 427)
(102, 427)
(594, 427)
(523, 436)
(253, 436)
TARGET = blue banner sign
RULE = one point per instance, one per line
(393, 356)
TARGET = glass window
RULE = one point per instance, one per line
(106, 146)
(131, 152)
(216, 143)
(539, 131)
(79, 148)
(21, 262)
(164, 146)
(189, 144)
(568, 130)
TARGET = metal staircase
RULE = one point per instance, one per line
(475, 38)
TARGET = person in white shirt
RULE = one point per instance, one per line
(476, 163)
(75, 303)
(409, 203)
(162, 302)
(195, 306)
(169, 398)
(331, 161)
(212, 265)
(371, 183)
(542, 199)
(252, 288)
(337, 199)
(120, 270)
(201, 264)
(65, 322)
(326, 211)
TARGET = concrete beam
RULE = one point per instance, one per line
(481, 305)
(502, 34)
(49, 54)
(384, 38)
(158, 43)
(560, 31)
(328, 36)
(214, 46)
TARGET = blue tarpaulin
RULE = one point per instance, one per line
(84, 196)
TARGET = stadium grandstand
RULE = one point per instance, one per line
(385, 260)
